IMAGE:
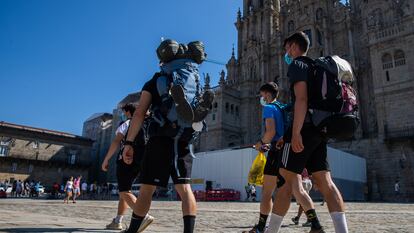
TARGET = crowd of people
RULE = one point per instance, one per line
(26, 188)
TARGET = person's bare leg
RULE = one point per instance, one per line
(333, 199)
(189, 206)
(143, 201)
(295, 181)
(280, 207)
(126, 199)
(269, 185)
(141, 207)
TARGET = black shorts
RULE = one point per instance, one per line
(313, 156)
(273, 164)
(159, 162)
(127, 173)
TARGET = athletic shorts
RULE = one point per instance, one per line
(127, 173)
(159, 162)
(273, 163)
(313, 156)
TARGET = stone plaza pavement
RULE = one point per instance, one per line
(25, 215)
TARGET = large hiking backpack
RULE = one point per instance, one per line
(333, 105)
(170, 50)
(166, 118)
(286, 110)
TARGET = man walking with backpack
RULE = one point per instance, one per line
(274, 129)
(126, 173)
(305, 145)
(178, 111)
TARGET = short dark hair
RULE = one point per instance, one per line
(128, 108)
(299, 38)
(270, 87)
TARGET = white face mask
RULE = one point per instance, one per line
(262, 101)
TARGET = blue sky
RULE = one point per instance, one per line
(62, 61)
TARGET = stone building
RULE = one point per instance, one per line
(42, 155)
(98, 128)
(376, 37)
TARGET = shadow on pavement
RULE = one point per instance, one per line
(50, 230)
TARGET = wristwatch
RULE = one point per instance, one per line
(128, 143)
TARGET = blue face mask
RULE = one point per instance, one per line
(288, 59)
(123, 117)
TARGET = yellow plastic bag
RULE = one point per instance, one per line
(256, 171)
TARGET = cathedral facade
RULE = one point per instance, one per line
(375, 36)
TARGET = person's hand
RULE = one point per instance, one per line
(128, 154)
(105, 165)
(258, 146)
(297, 145)
(279, 143)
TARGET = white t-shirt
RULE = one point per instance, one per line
(69, 185)
(84, 186)
(123, 128)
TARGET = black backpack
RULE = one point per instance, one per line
(332, 101)
(140, 140)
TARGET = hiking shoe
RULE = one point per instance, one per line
(146, 222)
(307, 224)
(114, 226)
(182, 106)
(317, 231)
(253, 230)
(295, 220)
(203, 108)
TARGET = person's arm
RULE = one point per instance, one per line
(112, 149)
(270, 132)
(300, 109)
(136, 123)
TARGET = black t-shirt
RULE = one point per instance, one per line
(151, 87)
(299, 70)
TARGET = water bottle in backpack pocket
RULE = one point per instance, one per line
(333, 105)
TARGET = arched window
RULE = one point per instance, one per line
(215, 105)
(291, 26)
(227, 107)
(237, 110)
(386, 61)
(399, 58)
(232, 109)
(319, 14)
(261, 3)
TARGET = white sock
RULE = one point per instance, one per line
(339, 221)
(274, 223)
(118, 218)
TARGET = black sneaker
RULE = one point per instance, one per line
(295, 220)
(182, 106)
(203, 108)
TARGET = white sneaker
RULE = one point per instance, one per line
(114, 226)
(145, 223)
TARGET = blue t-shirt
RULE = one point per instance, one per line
(272, 111)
